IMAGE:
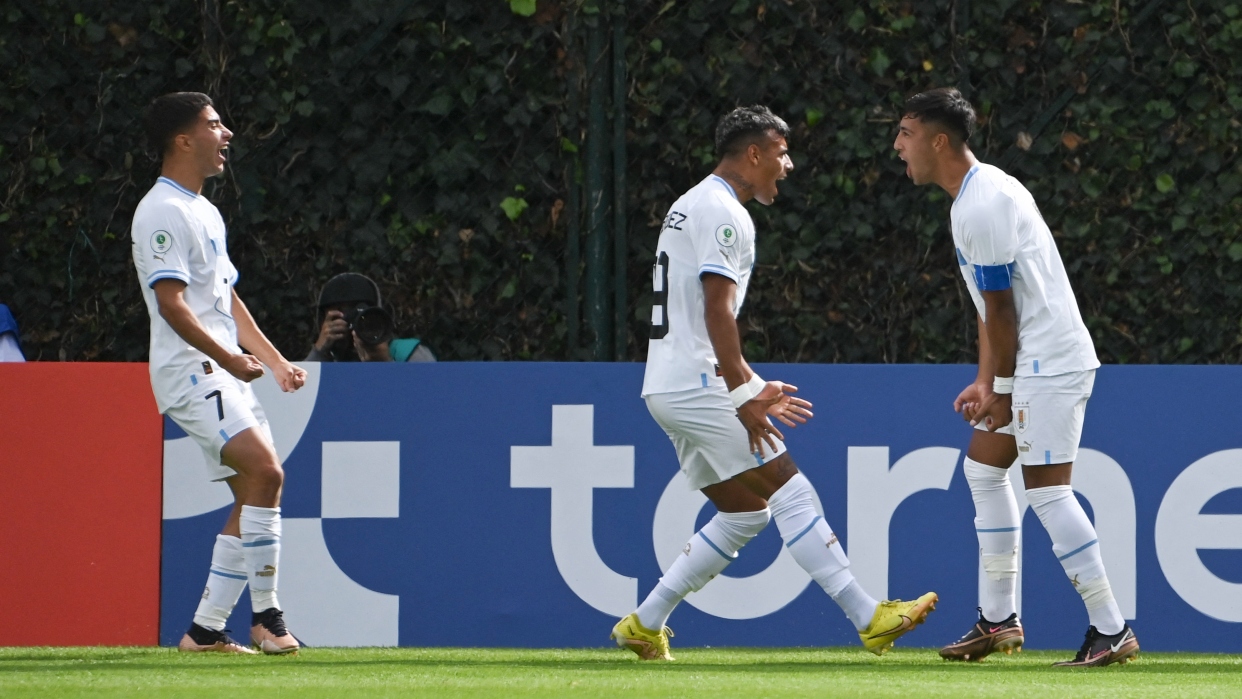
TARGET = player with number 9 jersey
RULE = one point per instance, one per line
(716, 410)
(706, 231)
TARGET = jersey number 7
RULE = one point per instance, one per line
(219, 402)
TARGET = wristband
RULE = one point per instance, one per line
(747, 391)
(1002, 385)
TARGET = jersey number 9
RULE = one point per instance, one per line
(659, 306)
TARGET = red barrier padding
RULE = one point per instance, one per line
(81, 453)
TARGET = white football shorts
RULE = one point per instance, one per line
(1048, 413)
(216, 410)
(709, 438)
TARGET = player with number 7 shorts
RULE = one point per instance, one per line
(201, 375)
(715, 408)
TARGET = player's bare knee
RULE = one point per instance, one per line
(270, 477)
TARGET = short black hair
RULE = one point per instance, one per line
(744, 126)
(172, 114)
(945, 107)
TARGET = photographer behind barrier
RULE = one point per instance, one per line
(353, 326)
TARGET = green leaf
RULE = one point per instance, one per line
(513, 207)
(857, 20)
(568, 145)
(879, 61)
(1165, 183)
(440, 105)
(525, 8)
(1235, 252)
(813, 116)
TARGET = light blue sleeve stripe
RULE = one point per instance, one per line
(1080, 549)
(167, 274)
(1001, 529)
(994, 277)
(261, 542)
(961, 261)
(715, 547)
(804, 531)
(718, 269)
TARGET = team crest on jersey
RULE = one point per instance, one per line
(1021, 417)
(726, 235)
(161, 241)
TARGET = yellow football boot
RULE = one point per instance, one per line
(893, 619)
(647, 644)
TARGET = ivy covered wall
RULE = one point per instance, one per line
(434, 147)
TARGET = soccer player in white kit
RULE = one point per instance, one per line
(200, 374)
(715, 409)
(1036, 370)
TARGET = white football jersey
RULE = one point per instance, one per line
(1002, 241)
(178, 234)
(707, 231)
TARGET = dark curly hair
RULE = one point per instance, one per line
(744, 126)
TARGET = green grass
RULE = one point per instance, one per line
(711, 672)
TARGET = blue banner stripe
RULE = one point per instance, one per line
(803, 532)
(223, 574)
(1080, 549)
(261, 542)
(994, 277)
(1002, 529)
(715, 548)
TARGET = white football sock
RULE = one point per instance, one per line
(260, 535)
(224, 583)
(998, 527)
(1075, 544)
(706, 554)
(813, 545)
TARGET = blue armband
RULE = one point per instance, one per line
(994, 277)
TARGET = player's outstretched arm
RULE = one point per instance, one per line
(288, 376)
(1001, 330)
(718, 294)
(170, 297)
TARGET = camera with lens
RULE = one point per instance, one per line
(372, 324)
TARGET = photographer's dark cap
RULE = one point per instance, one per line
(349, 287)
